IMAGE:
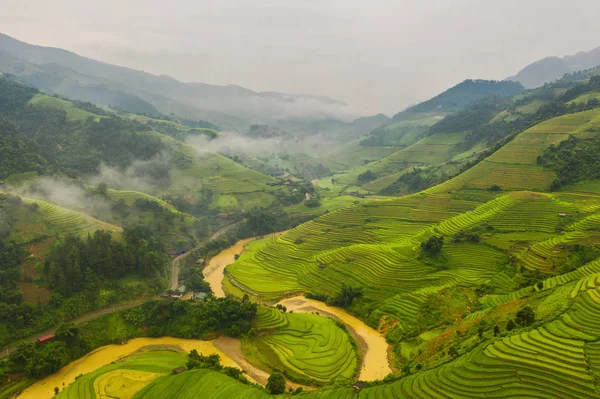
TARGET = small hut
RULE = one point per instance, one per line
(359, 386)
(201, 296)
(178, 370)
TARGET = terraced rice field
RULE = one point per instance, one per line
(70, 222)
(306, 346)
(124, 379)
(376, 245)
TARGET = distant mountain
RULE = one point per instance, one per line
(466, 93)
(550, 69)
(63, 72)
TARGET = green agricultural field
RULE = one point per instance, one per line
(124, 378)
(376, 244)
(200, 383)
(307, 347)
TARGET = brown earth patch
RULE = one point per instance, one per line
(31, 292)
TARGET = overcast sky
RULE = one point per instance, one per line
(377, 55)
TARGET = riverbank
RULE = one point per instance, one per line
(214, 272)
(44, 388)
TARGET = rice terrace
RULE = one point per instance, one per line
(432, 231)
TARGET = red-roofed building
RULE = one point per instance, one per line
(45, 338)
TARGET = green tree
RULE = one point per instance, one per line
(276, 384)
(525, 316)
(510, 325)
(433, 245)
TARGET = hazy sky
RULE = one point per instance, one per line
(377, 55)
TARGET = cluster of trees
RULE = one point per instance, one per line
(11, 253)
(344, 298)
(574, 159)
(17, 156)
(472, 117)
(199, 361)
(366, 177)
(433, 245)
(261, 221)
(411, 182)
(200, 206)
(194, 320)
(75, 265)
(465, 236)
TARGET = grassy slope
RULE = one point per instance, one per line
(73, 112)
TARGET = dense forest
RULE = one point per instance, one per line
(573, 160)
(76, 265)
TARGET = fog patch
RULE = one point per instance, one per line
(146, 176)
(230, 143)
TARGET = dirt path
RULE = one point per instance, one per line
(80, 320)
(232, 347)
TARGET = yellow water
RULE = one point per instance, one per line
(375, 361)
(214, 272)
(107, 354)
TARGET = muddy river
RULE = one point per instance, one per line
(374, 348)
(107, 354)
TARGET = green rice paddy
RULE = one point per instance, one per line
(306, 346)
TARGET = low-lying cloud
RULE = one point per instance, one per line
(235, 144)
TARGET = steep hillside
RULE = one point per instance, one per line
(485, 244)
(552, 68)
(466, 93)
(81, 141)
(410, 125)
(461, 139)
(66, 73)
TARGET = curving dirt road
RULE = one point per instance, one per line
(174, 284)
